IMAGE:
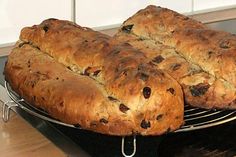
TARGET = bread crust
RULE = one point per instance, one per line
(200, 89)
(103, 85)
(196, 50)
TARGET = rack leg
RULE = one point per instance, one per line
(141, 146)
(6, 108)
(123, 147)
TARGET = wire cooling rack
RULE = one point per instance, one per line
(195, 118)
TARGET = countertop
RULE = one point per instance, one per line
(18, 138)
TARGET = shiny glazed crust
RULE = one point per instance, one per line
(199, 55)
(85, 78)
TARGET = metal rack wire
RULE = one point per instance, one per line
(195, 118)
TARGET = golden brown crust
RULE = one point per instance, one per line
(159, 22)
(210, 49)
(200, 88)
(107, 87)
(194, 46)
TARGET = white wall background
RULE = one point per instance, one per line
(209, 4)
(16, 14)
(93, 13)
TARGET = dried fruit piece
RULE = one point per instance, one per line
(159, 116)
(144, 76)
(112, 98)
(86, 71)
(61, 104)
(123, 108)
(103, 120)
(146, 92)
(158, 59)
(45, 28)
(95, 73)
(199, 89)
(210, 54)
(145, 124)
(171, 90)
(168, 130)
(127, 28)
(225, 45)
(77, 125)
(175, 66)
(23, 43)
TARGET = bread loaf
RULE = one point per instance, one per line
(200, 89)
(188, 51)
(86, 78)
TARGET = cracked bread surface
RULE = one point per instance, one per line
(200, 59)
(88, 79)
(200, 88)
